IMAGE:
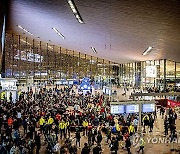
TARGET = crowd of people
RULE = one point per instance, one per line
(58, 118)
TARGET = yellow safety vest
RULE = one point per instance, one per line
(142, 142)
(62, 125)
(67, 123)
(145, 117)
(3, 95)
(50, 121)
(85, 123)
(131, 129)
(118, 127)
(19, 93)
(41, 121)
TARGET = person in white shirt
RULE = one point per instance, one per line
(135, 123)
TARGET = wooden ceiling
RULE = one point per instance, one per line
(120, 30)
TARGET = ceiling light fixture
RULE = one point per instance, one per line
(60, 34)
(93, 49)
(75, 11)
(147, 51)
(24, 30)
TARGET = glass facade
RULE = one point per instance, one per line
(161, 74)
(32, 61)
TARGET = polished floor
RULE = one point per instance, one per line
(154, 148)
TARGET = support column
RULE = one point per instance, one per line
(175, 73)
(3, 12)
(164, 74)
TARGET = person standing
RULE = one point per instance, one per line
(24, 123)
(131, 130)
(78, 137)
(62, 128)
(151, 123)
(97, 149)
(166, 125)
(135, 123)
(85, 126)
(41, 123)
(145, 121)
(31, 130)
(50, 122)
(128, 145)
(99, 137)
(37, 142)
(114, 145)
(86, 149)
(142, 143)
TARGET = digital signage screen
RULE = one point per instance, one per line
(148, 107)
(117, 109)
(134, 108)
(151, 71)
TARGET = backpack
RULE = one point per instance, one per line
(16, 134)
(113, 130)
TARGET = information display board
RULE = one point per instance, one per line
(117, 109)
(151, 71)
(134, 108)
(148, 107)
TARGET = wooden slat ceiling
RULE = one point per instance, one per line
(120, 30)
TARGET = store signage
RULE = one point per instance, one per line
(151, 71)
(9, 88)
(8, 85)
(28, 56)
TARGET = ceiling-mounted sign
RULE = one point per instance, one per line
(8, 85)
(151, 71)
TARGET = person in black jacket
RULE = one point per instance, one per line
(166, 125)
(99, 138)
(128, 145)
(86, 149)
(151, 123)
(114, 145)
(97, 149)
(78, 137)
(37, 139)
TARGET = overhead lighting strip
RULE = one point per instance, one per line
(93, 49)
(59, 33)
(147, 51)
(75, 11)
(25, 30)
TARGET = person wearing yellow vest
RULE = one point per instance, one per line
(3, 95)
(50, 120)
(41, 123)
(50, 123)
(62, 126)
(142, 144)
(131, 129)
(118, 127)
(85, 126)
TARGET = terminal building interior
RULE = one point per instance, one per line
(89, 77)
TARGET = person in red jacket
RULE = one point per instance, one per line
(10, 121)
(58, 117)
